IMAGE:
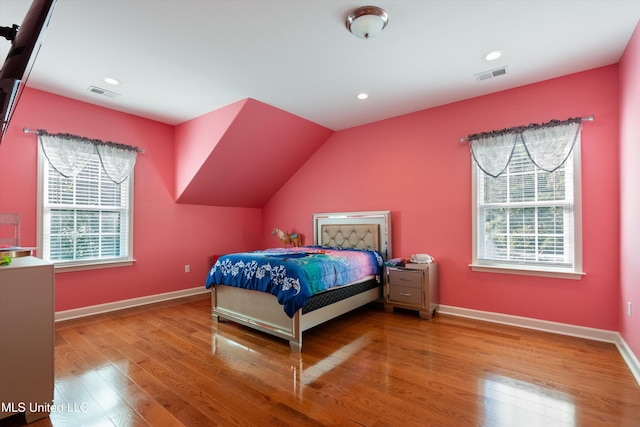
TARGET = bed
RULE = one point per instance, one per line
(264, 311)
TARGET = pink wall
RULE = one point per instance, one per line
(195, 139)
(166, 235)
(629, 194)
(244, 152)
(415, 166)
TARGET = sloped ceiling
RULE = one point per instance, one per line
(242, 154)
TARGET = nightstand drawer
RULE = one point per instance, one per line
(406, 278)
(404, 294)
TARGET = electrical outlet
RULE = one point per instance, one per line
(187, 268)
(629, 308)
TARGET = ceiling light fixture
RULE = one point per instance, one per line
(493, 55)
(367, 21)
(362, 96)
(112, 81)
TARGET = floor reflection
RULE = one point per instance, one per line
(301, 372)
(219, 342)
(92, 398)
(307, 375)
(513, 402)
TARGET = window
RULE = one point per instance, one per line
(527, 220)
(86, 218)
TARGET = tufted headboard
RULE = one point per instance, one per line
(365, 230)
(363, 236)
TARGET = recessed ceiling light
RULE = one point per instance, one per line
(493, 55)
(362, 95)
(112, 81)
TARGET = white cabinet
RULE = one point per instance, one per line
(26, 337)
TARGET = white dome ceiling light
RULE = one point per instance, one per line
(367, 21)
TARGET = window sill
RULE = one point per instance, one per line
(528, 271)
(69, 267)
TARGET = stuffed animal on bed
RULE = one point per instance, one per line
(285, 238)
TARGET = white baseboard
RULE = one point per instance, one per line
(630, 359)
(553, 327)
(128, 303)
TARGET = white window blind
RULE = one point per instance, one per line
(86, 217)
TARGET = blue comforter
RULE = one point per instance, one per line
(295, 274)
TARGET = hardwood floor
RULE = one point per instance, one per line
(170, 365)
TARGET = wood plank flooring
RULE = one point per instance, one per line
(170, 365)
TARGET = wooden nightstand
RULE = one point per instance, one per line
(414, 287)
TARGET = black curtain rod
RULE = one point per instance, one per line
(518, 129)
(92, 141)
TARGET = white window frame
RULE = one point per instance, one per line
(85, 264)
(532, 268)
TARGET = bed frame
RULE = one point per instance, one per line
(261, 311)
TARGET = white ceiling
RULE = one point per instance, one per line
(178, 59)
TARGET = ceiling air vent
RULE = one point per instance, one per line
(103, 92)
(491, 74)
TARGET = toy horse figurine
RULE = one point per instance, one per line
(285, 238)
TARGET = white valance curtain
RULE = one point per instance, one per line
(548, 145)
(69, 154)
